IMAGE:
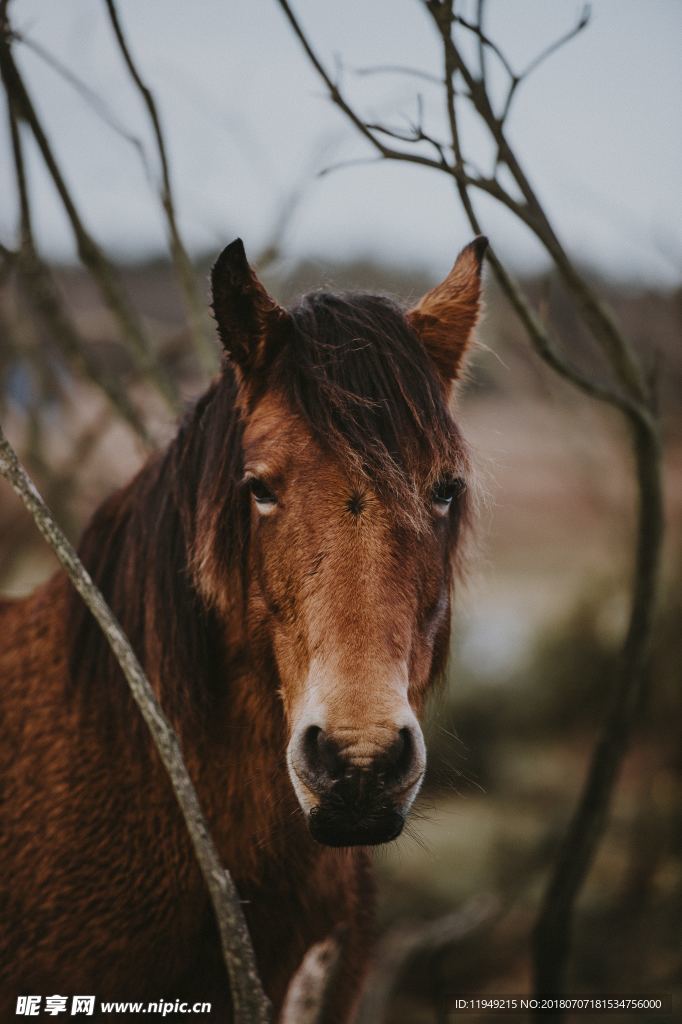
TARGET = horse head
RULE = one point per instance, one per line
(356, 479)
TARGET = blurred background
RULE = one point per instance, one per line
(256, 149)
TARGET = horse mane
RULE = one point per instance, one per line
(359, 376)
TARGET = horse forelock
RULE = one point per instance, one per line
(361, 379)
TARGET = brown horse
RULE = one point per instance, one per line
(283, 570)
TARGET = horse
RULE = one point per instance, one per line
(284, 571)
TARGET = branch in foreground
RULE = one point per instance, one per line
(308, 993)
(250, 1004)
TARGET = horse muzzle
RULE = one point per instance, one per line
(354, 795)
(353, 814)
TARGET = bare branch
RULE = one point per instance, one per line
(310, 988)
(415, 133)
(482, 62)
(596, 315)
(342, 165)
(485, 41)
(88, 94)
(546, 348)
(340, 101)
(582, 23)
(195, 307)
(515, 78)
(526, 211)
(552, 936)
(553, 930)
(539, 337)
(89, 252)
(46, 302)
(249, 1001)
(397, 69)
(370, 133)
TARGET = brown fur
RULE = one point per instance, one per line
(339, 404)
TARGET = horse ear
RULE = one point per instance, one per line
(247, 317)
(446, 316)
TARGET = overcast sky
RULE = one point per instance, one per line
(247, 120)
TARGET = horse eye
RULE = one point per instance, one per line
(261, 492)
(446, 491)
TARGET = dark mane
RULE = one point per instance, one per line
(359, 376)
(138, 549)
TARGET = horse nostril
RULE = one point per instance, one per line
(399, 757)
(322, 754)
(327, 765)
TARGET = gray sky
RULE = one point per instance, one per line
(598, 128)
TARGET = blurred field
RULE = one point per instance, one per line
(539, 614)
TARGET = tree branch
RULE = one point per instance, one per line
(552, 935)
(537, 333)
(37, 281)
(596, 315)
(249, 1001)
(340, 101)
(95, 102)
(206, 351)
(582, 23)
(397, 69)
(310, 988)
(89, 252)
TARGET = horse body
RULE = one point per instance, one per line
(291, 618)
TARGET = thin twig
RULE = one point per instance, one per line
(414, 133)
(552, 935)
(206, 351)
(47, 304)
(249, 1001)
(539, 336)
(397, 69)
(485, 41)
(515, 78)
(343, 165)
(598, 318)
(310, 988)
(94, 101)
(88, 250)
(482, 62)
(337, 97)
(582, 23)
